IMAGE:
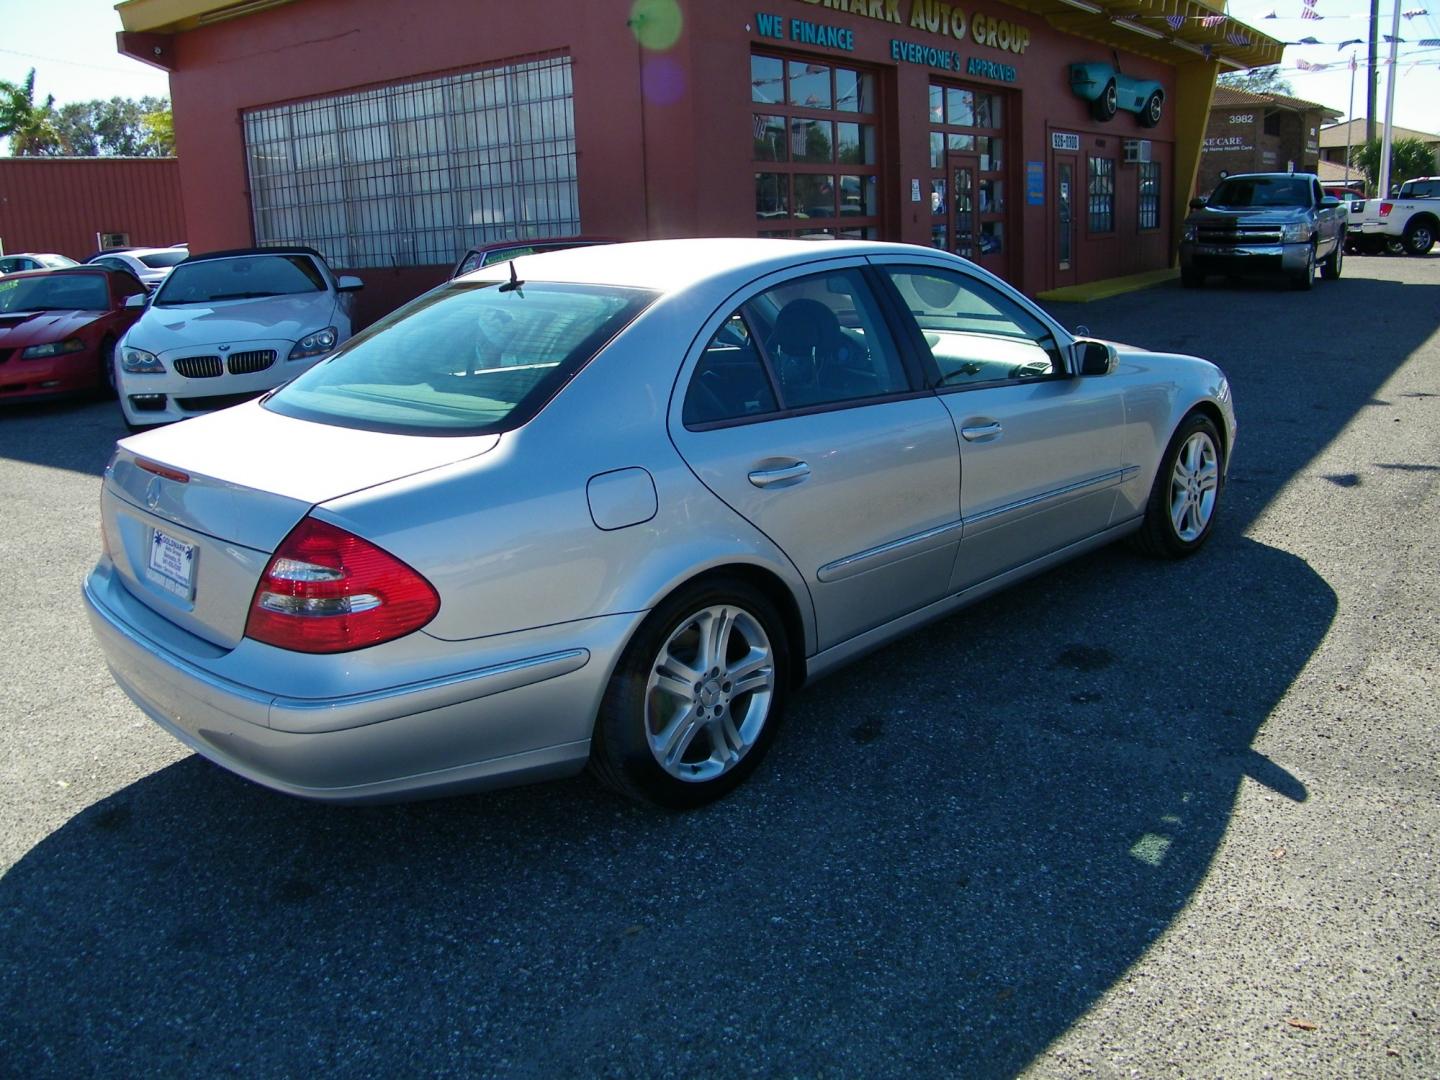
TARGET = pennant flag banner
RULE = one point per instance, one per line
(1310, 13)
(1352, 41)
(1431, 42)
(1397, 40)
(1237, 39)
(1175, 21)
(1412, 14)
(1212, 21)
(1272, 15)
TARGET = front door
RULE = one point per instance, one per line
(964, 216)
(1064, 268)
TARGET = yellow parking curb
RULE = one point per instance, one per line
(1103, 290)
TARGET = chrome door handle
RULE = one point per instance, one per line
(783, 476)
(981, 432)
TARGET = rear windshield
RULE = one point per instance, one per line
(466, 359)
(1243, 191)
(55, 292)
(159, 259)
(245, 277)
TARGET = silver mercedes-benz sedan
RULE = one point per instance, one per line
(613, 505)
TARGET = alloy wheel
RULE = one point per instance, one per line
(1194, 483)
(709, 693)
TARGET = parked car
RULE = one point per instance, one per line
(228, 325)
(1108, 89)
(18, 264)
(58, 330)
(1405, 224)
(150, 265)
(505, 250)
(615, 506)
(1264, 223)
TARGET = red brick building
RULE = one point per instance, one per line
(392, 137)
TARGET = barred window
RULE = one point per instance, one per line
(413, 174)
(1102, 195)
(1149, 195)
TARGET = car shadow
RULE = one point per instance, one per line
(958, 845)
(76, 434)
(940, 878)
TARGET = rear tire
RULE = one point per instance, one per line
(1419, 238)
(1154, 109)
(1180, 513)
(695, 701)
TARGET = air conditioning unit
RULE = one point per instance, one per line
(1136, 151)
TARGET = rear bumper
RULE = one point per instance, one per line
(515, 708)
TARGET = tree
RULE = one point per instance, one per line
(29, 127)
(119, 127)
(1261, 80)
(1409, 158)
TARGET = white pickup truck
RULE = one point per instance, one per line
(1408, 222)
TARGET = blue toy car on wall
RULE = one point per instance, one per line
(1109, 89)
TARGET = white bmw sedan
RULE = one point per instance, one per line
(225, 326)
(614, 505)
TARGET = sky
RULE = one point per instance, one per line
(71, 45)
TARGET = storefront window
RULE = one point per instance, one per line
(960, 108)
(817, 152)
(1149, 195)
(767, 80)
(412, 174)
(1102, 195)
(809, 85)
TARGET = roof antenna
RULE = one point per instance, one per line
(513, 285)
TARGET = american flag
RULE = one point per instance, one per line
(1175, 21)
(1237, 38)
(1310, 13)
(1430, 42)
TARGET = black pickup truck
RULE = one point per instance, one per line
(1264, 223)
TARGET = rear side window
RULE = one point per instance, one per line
(467, 359)
(730, 381)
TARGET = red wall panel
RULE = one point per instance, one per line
(59, 204)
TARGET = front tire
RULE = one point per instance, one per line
(1305, 279)
(1334, 263)
(1154, 109)
(1185, 497)
(694, 703)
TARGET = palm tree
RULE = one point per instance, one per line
(29, 127)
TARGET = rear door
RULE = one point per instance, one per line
(796, 408)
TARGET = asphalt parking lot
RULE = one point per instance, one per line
(1128, 819)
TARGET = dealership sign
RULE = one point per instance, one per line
(937, 17)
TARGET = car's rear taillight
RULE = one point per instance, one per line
(1385, 209)
(326, 590)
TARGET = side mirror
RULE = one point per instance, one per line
(349, 283)
(1096, 357)
(1198, 203)
(139, 300)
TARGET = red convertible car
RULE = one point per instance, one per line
(58, 330)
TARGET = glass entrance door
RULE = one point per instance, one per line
(964, 216)
(1064, 220)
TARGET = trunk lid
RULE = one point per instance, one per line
(194, 510)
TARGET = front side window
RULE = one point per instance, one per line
(974, 332)
(467, 359)
(246, 277)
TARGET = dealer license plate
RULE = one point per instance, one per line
(172, 564)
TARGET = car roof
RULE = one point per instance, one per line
(673, 265)
(135, 252)
(233, 253)
(70, 271)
